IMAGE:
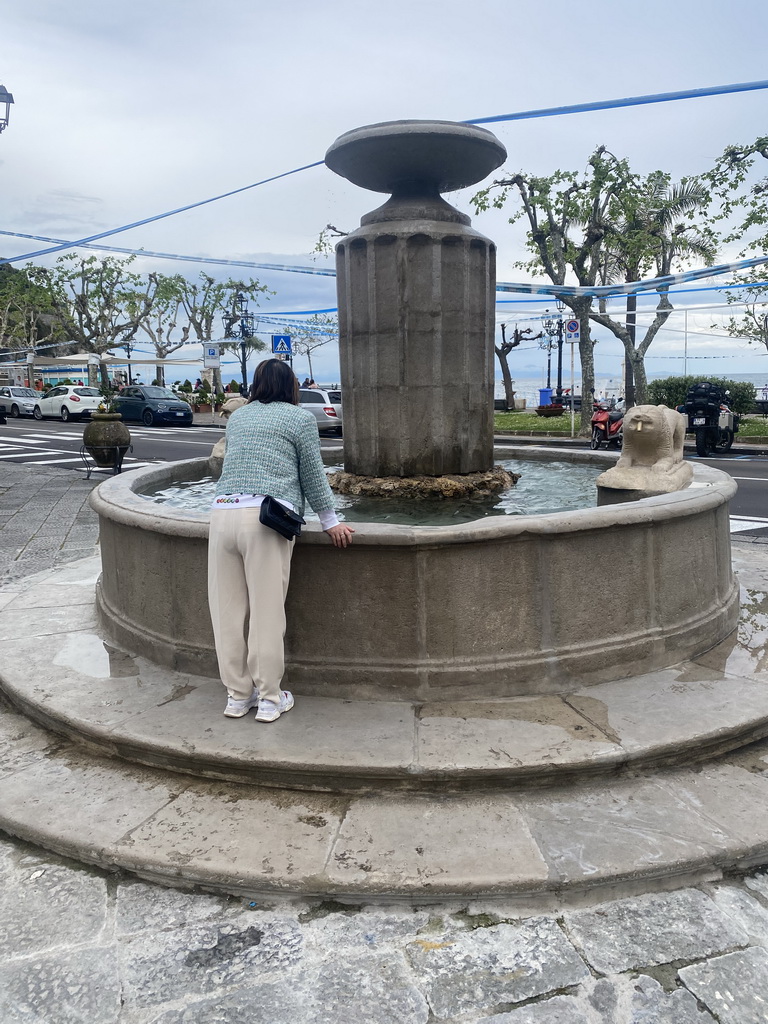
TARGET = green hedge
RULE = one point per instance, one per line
(671, 391)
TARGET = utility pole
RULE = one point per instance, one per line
(629, 373)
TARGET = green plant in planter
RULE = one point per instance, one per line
(108, 394)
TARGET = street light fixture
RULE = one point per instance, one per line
(245, 329)
(554, 327)
(5, 102)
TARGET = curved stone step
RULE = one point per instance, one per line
(58, 667)
(544, 846)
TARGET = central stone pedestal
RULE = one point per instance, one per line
(416, 287)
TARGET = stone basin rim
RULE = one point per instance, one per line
(119, 498)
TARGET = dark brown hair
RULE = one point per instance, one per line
(274, 381)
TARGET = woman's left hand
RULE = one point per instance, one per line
(341, 535)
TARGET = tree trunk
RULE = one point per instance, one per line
(641, 381)
(160, 374)
(581, 308)
(309, 360)
(509, 394)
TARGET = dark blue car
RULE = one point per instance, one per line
(153, 405)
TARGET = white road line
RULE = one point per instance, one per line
(52, 436)
(24, 455)
(51, 462)
(757, 479)
(745, 525)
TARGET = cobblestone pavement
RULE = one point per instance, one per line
(80, 946)
(45, 519)
(83, 946)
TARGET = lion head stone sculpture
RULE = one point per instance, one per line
(651, 459)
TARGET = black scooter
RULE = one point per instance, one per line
(710, 418)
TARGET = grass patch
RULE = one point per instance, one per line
(753, 426)
(750, 426)
(527, 421)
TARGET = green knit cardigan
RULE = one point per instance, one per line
(274, 449)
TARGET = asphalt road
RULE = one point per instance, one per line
(52, 443)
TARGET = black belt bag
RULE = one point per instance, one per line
(277, 517)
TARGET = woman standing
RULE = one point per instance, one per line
(273, 448)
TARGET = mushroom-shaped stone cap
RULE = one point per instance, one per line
(422, 156)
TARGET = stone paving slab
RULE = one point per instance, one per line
(652, 930)
(110, 950)
(50, 522)
(734, 986)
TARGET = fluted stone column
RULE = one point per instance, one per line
(416, 292)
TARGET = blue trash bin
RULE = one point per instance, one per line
(545, 396)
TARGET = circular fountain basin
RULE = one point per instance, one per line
(500, 606)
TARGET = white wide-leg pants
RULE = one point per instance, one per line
(249, 568)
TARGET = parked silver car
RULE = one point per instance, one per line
(19, 401)
(325, 406)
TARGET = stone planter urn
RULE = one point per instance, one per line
(550, 410)
(106, 439)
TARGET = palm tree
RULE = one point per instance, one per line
(652, 231)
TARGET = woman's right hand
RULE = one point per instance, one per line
(341, 535)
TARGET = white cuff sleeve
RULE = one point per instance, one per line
(328, 518)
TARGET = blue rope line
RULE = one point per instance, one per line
(168, 255)
(628, 101)
(157, 216)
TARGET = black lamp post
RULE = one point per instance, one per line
(5, 102)
(241, 324)
(554, 328)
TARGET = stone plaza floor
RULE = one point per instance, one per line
(84, 945)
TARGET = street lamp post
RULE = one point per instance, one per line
(5, 102)
(554, 327)
(245, 329)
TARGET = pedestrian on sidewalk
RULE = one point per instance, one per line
(272, 449)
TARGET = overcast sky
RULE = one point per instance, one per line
(127, 110)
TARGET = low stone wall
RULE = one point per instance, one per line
(499, 607)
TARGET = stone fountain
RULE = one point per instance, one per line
(469, 722)
(413, 613)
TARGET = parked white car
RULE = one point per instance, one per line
(68, 402)
(19, 401)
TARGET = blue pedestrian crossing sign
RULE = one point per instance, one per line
(281, 344)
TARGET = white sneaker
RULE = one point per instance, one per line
(239, 708)
(270, 712)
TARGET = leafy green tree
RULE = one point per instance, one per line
(600, 226)
(161, 321)
(739, 202)
(568, 215)
(652, 236)
(316, 331)
(98, 302)
(25, 311)
(752, 321)
(207, 301)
